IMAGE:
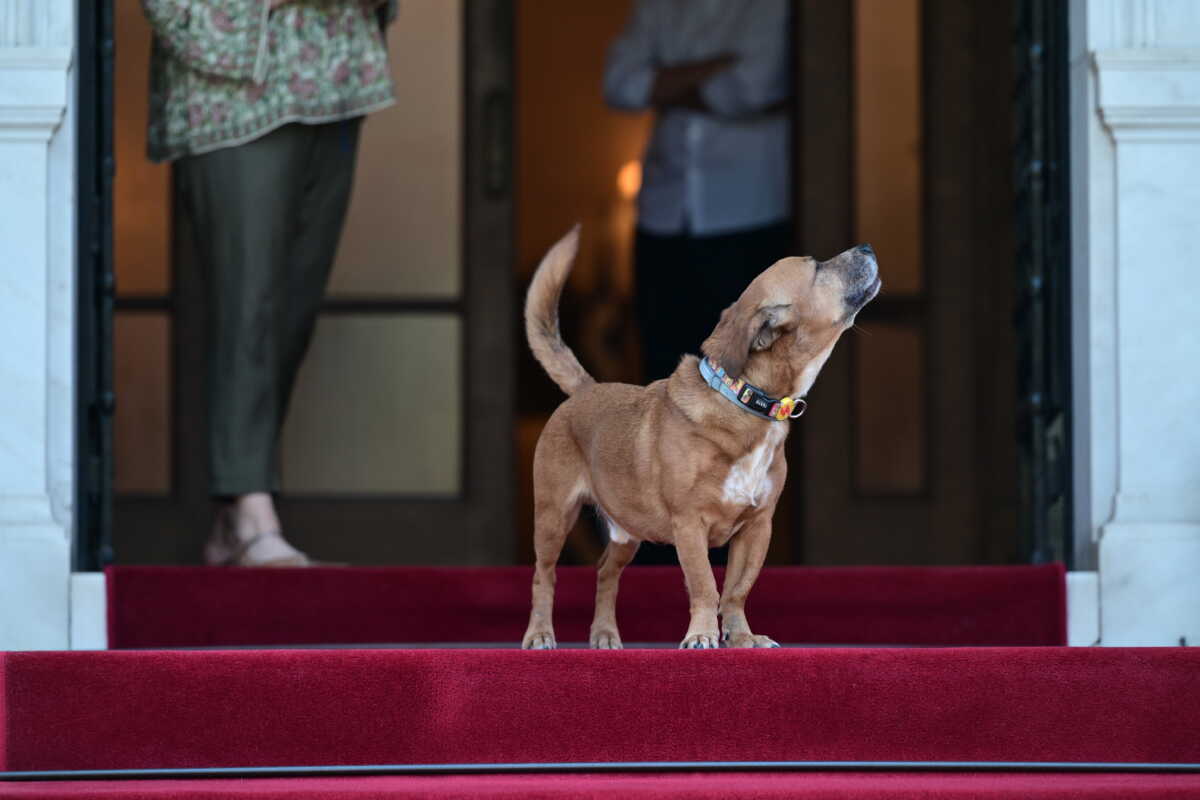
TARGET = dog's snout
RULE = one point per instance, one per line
(866, 249)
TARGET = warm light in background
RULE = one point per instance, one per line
(629, 179)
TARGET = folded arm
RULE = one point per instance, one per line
(679, 86)
(727, 84)
(761, 81)
(629, 67)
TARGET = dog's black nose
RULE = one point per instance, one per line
(866, 249)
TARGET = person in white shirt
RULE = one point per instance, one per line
(715, 206)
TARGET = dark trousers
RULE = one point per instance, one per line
(684, 282)
(267, 217)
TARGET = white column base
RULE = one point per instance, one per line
(34, 564)
(89, 611)
(1083, 609)
(1149, 591)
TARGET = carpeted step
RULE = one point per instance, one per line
(720, 786)
(179, 709)
(946, 606)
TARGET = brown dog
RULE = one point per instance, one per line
(686, 460)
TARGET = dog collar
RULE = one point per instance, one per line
(748, 396)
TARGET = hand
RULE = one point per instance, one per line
(679, 85)
(718, 64)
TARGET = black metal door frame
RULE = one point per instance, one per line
(1043, 302)
(95, 400)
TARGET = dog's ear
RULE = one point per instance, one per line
(741, 331)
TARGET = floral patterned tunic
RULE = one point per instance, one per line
(225, 72)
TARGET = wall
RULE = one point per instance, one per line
(37, 219)
(1135, 139)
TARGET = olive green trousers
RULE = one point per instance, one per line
(266, 217)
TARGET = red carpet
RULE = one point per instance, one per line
(948, 606)
(113, 710)
(723, 786)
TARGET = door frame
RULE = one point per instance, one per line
(95, 285)
(1042, 169)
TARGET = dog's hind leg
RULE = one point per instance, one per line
(616, 557)
(559, 490)
(551, 525)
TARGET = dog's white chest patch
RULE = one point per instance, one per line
(747, 482)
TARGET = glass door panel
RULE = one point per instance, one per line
(378, 408)
(403, 236)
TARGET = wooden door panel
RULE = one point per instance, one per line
(945, 507)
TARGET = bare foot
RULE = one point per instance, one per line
(246, 533)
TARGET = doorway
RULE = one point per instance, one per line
(903, 120)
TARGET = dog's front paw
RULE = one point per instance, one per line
(539, 640)
(699, 641)
(747, 640)
(605, 640)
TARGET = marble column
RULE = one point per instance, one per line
(37, 268)
(1136, 272)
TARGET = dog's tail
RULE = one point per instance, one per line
(541, 316)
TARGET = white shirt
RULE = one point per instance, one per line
(710, 173)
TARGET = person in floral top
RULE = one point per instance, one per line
(259, 104)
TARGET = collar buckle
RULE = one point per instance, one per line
(749, 397)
